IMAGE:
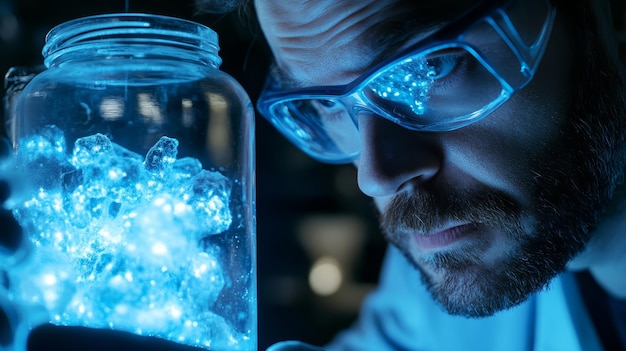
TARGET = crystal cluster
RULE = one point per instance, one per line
(116, 238)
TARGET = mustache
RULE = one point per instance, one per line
(424, 211)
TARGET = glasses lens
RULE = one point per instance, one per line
(322, 128)
(434, 90)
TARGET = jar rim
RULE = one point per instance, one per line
(117, 27)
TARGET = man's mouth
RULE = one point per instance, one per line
(448, 235)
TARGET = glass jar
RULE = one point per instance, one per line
(139, 156)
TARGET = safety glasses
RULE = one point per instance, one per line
(453, 78)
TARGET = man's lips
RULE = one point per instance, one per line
(439, 239)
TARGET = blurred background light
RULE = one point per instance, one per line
(325, 276)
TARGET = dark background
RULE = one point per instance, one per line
(305, 210)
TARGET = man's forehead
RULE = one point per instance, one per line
(297, 14)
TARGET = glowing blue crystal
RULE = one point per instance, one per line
(186, 167)
(91, 150)
(162, 155)
(49, 143)
(43, 157)
(208, 195)
(46, 281)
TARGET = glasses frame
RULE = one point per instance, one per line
(491, 11)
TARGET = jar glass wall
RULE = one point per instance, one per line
(139, 156)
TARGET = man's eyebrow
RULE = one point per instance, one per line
(282, 78)
(386, 42)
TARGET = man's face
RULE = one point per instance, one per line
(491, 212)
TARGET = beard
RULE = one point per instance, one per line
(573, 182)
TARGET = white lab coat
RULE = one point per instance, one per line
(400, 315)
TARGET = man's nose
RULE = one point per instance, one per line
(393, 157)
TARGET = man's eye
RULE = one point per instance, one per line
(443, 65)
(328, 106)
(327, 103)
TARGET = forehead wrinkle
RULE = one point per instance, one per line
(284, 80)
(388, 38)
(317, 24)
(327, 36)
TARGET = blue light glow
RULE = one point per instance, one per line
(116, 239)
